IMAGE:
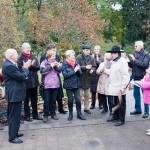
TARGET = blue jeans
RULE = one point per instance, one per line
(137, 97)
(146, 108)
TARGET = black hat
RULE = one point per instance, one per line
(86, 46)
(115, 49)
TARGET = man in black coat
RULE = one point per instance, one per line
(60, 94)
(31, 83)
(15, 90)
(139, 63)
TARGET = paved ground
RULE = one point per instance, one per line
(93, 133)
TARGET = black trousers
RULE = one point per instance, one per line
(13, 115)
(50, 96)
(31, 94)
(59, 98)
(106, 101)
(94, 99)
(76, 94)
(119, 114)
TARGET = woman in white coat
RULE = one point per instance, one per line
(103, 82)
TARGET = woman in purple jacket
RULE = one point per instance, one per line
(50, 69)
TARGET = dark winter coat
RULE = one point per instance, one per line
(140, 64)
(14, 80)
(71, 78)
(94, 76)
(32, 80)
(85, 78)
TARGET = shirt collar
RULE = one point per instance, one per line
(14, 63)
(116, 59)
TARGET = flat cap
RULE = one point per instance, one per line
(86, 46)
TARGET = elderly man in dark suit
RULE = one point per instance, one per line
(14, 81)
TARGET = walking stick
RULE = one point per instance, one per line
(120, 99)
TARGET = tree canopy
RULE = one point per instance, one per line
(72, 23)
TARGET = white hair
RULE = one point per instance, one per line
(9, 53)
(97, 46)
(69, 52)
(140, 43)
(24, 46)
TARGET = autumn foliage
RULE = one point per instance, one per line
(66, 22)
(10, 36)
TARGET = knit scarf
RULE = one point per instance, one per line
(70, 62)
(86, 59)
(27, 56)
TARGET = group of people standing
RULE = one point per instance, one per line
(85, 76)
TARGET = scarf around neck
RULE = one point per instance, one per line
(70, 62)
(27, 56)
(86, 58)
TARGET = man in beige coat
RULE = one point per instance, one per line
(118, 81)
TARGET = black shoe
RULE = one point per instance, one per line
(16, 141)
(92, 107)
(145, 115)
(54, 117)
(111, 119)
(119, 123)
(45, 119)
(70, 116)
(20, 134)
(80, 116)
(62, 111)
(21, 122)
(38, 118)
(28, 119)
(1, 128)
(87, 111)
(101, 107)
(135, 112)
(104, 111)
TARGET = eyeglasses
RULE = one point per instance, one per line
(135, 46)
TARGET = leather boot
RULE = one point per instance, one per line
(70, 116)
(70, 107)
(79, 114)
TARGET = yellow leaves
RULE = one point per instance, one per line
(14, 29)
(9, 34)
(50, 15)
